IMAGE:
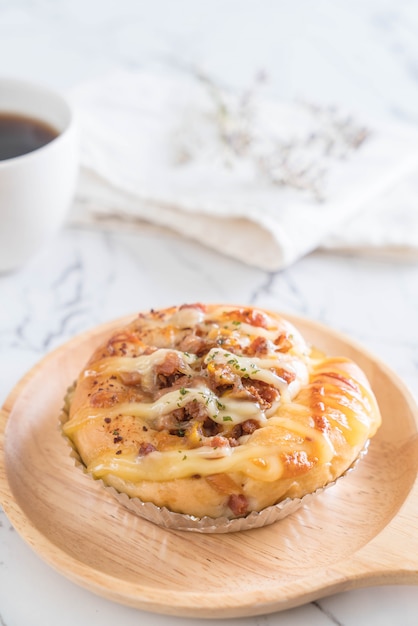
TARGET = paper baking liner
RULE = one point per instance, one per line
(161, 516)
(256, 519)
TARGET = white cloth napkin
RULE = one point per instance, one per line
(387, 227)
(264, 182)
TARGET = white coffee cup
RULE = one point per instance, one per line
(36, 188)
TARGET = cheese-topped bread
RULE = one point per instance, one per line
(218, 411)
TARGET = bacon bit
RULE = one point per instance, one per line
(257, 319)
(249, 426)
(178, 383)
(258, 346)
(166, 382)
(221, 376)
(192, 343)
(146, 448)
(238, 504)
(170, 365)
(210, 428)
(163, 314)
(321, 423)
(318, 389)
(248, 316)
(219, 442)
(317, 399)
(283, 342)
(235, 432)
(169, 370)
(196, 410)
(245, 428)
(261, 392)
(296, 463)
(179, 414)
(196, 305)
(287, 376)
(193, 410)
(104, 399)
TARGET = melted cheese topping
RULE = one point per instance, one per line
(230, 411)
(143, 365)
(259, 462)
(228, 405)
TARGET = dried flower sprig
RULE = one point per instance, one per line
(300, 162)
(234, 119)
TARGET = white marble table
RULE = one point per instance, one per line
(365, 54)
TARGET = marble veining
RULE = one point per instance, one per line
(363, 54)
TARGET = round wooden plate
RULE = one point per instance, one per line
(360, 532)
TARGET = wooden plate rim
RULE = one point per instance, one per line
(231, 604)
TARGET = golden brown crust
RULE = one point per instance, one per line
(217, 410)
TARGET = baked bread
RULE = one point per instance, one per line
(217, 411)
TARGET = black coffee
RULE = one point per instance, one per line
(20, 135)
